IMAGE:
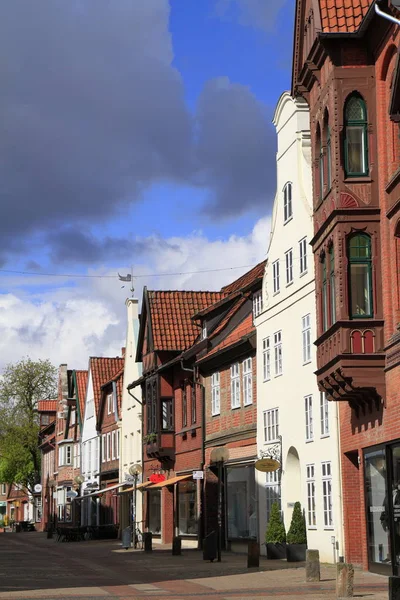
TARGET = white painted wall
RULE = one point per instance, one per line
(283, 311)
(131, 421)
(90, 459)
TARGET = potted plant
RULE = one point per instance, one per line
(296, 536)
(150, 438)
(275, 534)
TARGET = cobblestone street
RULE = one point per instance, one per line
(33, 567)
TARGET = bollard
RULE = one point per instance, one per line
(344, 580)
(148, 541)
(50, 533)
(394, 588)
(253, 554)
(176, 546)
(313, 571)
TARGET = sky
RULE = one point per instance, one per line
(133, 134)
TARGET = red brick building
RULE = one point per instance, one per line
(47, 419)
(173, 397)
(108, 425)
(346, 65)
(227, 364)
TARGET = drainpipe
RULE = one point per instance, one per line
(341, 521)
(134, 397)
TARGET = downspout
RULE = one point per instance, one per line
(134, 397)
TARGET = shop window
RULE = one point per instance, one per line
(356, 137)
(377, 509)
(360, 276)
(241, 502)
(187, 508)
(287, 203)
(154, 511)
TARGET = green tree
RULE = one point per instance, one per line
(297, 533)
(275, 532)
(24, 384)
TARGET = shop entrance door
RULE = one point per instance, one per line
(394, 499)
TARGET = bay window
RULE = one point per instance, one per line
(360, 276)
(356, 137)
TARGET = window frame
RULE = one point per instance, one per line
(235, 386)
(278, 354)
(321, 174)
(104, 448)
(360, 261)
(308, 411)
(356, 123)
(257, 303)
(275, 276)
(303, 256)
(289, 266)
(311, 504)
(109, 403)
(306, 338)
(287, 202)
(324, 299)
(332, 285)
(266, 358)
(271, 425)
(328, 157)
(247, 375)
(324, 415)
(327, 495)
(215, 387)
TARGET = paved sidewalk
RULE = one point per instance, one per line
(32, 567)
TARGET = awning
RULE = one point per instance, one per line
(140, 486)
(102, 491)
(171, 481)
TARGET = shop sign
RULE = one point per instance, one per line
(267, 465)
(38, 488)
(157, 478)
(198, 474)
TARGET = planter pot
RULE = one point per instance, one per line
(296, 552)
(276, 551)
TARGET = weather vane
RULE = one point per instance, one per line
(127, 278)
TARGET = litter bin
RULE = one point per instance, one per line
(126, 538)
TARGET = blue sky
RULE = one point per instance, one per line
(136, 133)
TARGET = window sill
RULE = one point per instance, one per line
(303, 273)
(235, 407)
(308, 362)
(279, 375)
(290, 283)
(271, 442)
(312, 528)
(248, 404)
(357, 179)
(216, 414)
(309, 441)
(288, 220)
(276, 293)
(331, 528)
(326, 435)
(265, 380)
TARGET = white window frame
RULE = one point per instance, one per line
(108, 445)
(118, 440)
(235, 385)
(306, 335)
(89, 458)
(72, 419)
(257, 303)
(204, 331)
(103, 448)
(77, 455)
(326, 468)
(324, 414)
(287, 202)
(303, 255)
(113, 444)
(278, 353)
(275, 275)
(215, 394)
(109, 404)
(308, 410)
(272, 491)
(247, 381)
(311, 508)
(3, 489)
(289, 266)
(271, 425)
(266, 359)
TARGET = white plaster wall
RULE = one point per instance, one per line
(89, 433)
(284, 311)
(131, 421)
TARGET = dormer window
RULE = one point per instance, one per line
(109, 404)
(287, 203)
(257, 303)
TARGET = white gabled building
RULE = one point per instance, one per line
(291, 410)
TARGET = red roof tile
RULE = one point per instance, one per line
(81, 382)
(343, 15)
(47, 406)
(247, 279)
(103, 370)
(171, 312)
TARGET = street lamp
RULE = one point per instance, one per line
(134, 470)
(219, 455)
(396, 4)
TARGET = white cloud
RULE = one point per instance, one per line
(69, 324)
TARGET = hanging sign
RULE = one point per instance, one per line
(267, 465)
(157, 478)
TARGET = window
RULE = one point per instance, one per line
(117, 441)
(289, 266)
(287, 202)
(95, 455)
(215, 394)
(327, 493)
(45, 419)
(3, 489)
(235, 386)
(324, 295)
(271, 425)
(187, 508)
(89, 457)
(328, 157)
(72, 418)
(272, 491)
(113, 445)
(109, 404)
(311, 514)
(108, 446)
(332, 284)
(167, 415)
(266, 360)
(320, 163)
(303, 256)
(241, 502)
(306, 331)
(324, 408)
(184, 406)
(65, 455)
(90, 408)
(360, 276)
(104, 448)
(278, 353)
(356, 137)
(247, 382)
(77, 456)
(204, 331)
(257, 303)
(193, 394)
(275, 271)
(309, 419)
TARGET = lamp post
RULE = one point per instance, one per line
(134, 470)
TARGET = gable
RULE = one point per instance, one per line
(307, 26)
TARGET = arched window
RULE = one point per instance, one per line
(356, 137)
(360, 276)
(320, 151)
(332, 284)
(327, 134)
(287, 202)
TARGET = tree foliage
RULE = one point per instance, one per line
(297, 533)
(275, 532)
(23, 385)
